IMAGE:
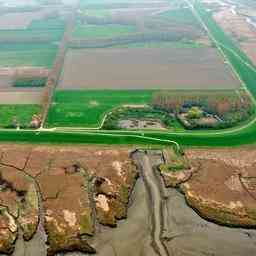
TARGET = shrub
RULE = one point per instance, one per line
(195, 113)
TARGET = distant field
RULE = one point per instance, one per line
(20, 20)
(181, 16)
(102, 31)
(35, 46)
(86, 108)
(50, 29)
(27, 54)
(122, 4)
(101, 26)
(21, 97)
(22, 113)
(100, 13)
(165, 68)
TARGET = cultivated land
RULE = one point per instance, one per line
(134, 69)
(27, 54)
(240, 135)
(28, 46)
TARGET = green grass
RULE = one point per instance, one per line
(22, 113)
(27, 54)
(102, 31)
(87, 108)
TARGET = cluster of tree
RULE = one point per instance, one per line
(137, 113)
(127, 39)
(230, 109)
(30, 82)
(149, 23)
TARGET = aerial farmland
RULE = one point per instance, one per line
(28, 47)
(140, 48)
(127, 127)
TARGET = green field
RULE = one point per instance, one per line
(87, 108)
(50, 29)
(102, 31)
(22, 113)
(27, 54)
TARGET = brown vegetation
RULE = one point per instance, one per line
(221, 186)
(63, 174)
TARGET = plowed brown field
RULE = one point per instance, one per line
(165, 68)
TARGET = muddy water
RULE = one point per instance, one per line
(189, 234)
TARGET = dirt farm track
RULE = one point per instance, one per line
(165, 68)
